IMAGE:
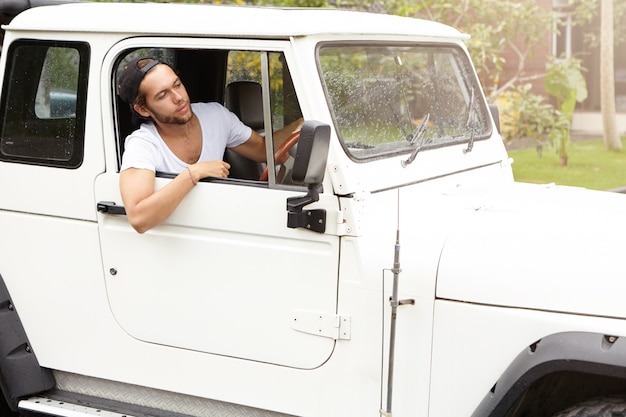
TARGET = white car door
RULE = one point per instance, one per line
(224, 274)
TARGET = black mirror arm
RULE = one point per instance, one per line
(296, 204)
(314, 220)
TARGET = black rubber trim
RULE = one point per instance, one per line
(590, 353)
(20, 373)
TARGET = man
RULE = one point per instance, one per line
(179, 137)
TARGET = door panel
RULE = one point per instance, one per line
(223, 275)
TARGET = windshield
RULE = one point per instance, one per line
(393, 99)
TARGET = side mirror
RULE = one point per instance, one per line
(309, 166)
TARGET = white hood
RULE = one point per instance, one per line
(539, 247)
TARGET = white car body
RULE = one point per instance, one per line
(224, 310)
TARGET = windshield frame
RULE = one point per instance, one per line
(471, 82)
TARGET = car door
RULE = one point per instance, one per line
(223, 274)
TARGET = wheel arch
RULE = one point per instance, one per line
(20, 372)
(557, 371)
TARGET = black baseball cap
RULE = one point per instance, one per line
(130, 77)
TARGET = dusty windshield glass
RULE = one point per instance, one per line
(391, 99)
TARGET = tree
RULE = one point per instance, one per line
(495, 26)
(607, 79)
(611, 32)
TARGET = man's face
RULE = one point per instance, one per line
(167, 101)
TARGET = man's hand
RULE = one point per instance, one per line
(219, 169)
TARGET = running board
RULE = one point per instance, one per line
(63, 404)
(68, 404)
(49, 406)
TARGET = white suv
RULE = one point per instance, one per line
(387, 264)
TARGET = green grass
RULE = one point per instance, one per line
(589, 165)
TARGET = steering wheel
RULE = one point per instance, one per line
(281, 155)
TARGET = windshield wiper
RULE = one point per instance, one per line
(417, 136)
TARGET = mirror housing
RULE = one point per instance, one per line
(312, 153)
(309, 168)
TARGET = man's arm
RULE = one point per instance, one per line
(254, 147)
(147, 208)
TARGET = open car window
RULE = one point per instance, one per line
(233, 79)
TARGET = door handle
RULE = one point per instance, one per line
(110, 207)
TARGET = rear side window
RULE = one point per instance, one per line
(43, 103)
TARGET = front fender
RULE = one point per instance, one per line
(588, 353)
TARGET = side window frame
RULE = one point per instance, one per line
(206, 89)
(53, 135)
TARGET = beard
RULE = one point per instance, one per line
(175, 119)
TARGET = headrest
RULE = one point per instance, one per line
(245, 99)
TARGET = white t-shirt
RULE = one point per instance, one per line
(221, 129)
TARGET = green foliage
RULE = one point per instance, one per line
(525, 115)
(566, 83)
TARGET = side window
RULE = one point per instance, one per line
(244, 98)
(42, 111)
(245, 66)
(231, 78)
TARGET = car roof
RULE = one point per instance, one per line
(221, 20)
(10, 8)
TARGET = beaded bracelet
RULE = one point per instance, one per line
(191, 176)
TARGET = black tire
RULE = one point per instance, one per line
(599, 407)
